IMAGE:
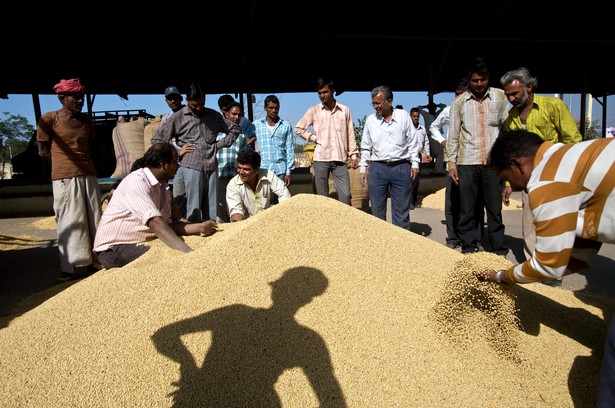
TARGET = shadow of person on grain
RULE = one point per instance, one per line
(578, 325)
(251, 347)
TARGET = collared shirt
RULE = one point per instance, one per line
(247, 127)
(437, 126)
(185, 127)
(389, 141)
(335, 138)
(227, 156)
(474, 125)
(421, 137)
(569, 192)
(276, 145)
(137, 199)
(549, 118)
(242, 200)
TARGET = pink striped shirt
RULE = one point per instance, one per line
(138, 198)
(571, 192)
(334, 132)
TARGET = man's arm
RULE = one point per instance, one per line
(566, 125)
(301, 128)
(167, 235)
(437, 127)
(235, 206)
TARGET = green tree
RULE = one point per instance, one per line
(358, 130)
(592, 131)
(15, 133)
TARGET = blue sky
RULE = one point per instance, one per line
(292, 105)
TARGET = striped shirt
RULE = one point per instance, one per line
(571, 196)
(549, 118)
(334, 132)
(138, 198)
(276, 146)
(474, 125)
(389, 141)
(242, 200)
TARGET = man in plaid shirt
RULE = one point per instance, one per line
(275, 141)
(227, 160)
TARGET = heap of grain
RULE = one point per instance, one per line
(310, 303)
(436, 201)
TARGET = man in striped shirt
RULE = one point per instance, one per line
(335, 141)
(140, 211)
(571, 194)
(474, 124)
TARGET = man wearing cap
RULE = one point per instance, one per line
(64, 137)
(174, 99)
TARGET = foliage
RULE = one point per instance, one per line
(15, 133)
(592, 131)
(358, 130)
(299, 147)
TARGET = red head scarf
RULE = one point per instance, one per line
(69, 86)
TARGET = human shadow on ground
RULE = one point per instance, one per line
(421, 229)
(252, 347)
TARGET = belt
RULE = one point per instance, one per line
(392, 163)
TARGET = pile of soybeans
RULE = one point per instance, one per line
(310, 303)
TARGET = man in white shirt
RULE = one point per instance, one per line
(389, 146)
(250, 191)
(424, 152)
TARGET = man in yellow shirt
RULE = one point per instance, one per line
(547, 116)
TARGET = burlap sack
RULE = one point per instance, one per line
(128, 144)
(149, 131)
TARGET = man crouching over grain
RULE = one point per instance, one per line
(569, 189)
(140, 210)
(251, 190)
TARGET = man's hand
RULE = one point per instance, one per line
(492, 276)
(207, 227)
(414, 172)
(452, 173)
(506, 195)
(187, 148)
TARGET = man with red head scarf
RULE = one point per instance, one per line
(64, 137)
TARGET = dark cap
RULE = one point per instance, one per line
(172, 90)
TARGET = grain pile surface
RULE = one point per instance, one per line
(436, 201)
(310, 303)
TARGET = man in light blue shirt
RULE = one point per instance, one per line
(275, 141)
